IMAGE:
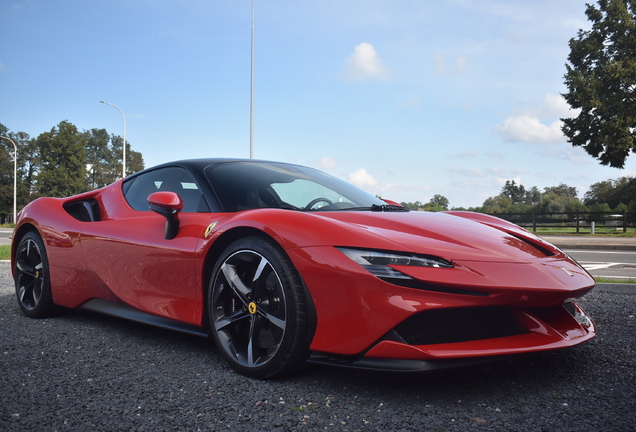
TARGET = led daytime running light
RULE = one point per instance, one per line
(377, 263)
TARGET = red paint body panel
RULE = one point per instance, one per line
(125, 258)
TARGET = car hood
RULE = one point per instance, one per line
(447, 236)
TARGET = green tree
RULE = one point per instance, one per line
(30, 162)
(100, 164)
(612, 192)
(601, 81)
(437, 203)
(63, 157)
(26, 166)
(440, 202)
(533, 196)
(562, 190)
(516, 193)
(103, 158)
(6, 173)
(412, 205)
(498, 204)
(134, 160)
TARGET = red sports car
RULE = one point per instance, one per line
(281, 264)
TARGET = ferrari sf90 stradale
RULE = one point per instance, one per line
(280, 264)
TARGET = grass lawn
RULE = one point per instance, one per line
(5, 252)
(599, 231)
(614, 280)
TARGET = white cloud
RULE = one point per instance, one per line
(532, 125)
(364, 64)
(2, 66)
(464, 154)
(468, 172)
(442, 67)
(496, 170)
(557, 106)
(527, 128)
(362, 178)
(575, 155)
(327, 163)
(495, 154)
(414, 102)
(460, 64)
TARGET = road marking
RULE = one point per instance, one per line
(575, 251)
(597, 266)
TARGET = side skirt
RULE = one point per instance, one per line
(127, 312)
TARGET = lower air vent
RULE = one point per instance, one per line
(441, 326)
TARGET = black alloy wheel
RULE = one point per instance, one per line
(32, 283)
(257, 309)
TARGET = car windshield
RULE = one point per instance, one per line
(248, 185)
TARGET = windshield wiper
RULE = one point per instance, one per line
(378, 208)
(388, 208)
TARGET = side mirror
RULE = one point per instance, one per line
(168, 205)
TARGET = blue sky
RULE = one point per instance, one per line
(405, 99)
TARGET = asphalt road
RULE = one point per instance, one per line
(5, 236)
(81, 371)
(618, 264)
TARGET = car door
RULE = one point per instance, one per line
(129, 253)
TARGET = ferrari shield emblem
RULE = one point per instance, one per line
(209, 229)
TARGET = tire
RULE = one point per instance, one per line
(257, 309)
(32, 277)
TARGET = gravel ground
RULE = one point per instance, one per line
(82, 371)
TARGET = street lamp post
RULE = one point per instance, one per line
(15, 176)
(252, 92)
(123, 170)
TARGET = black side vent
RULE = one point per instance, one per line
(440, 326)
(85, 211)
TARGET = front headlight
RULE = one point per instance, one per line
(377, 263)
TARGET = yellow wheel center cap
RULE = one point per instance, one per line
(252, 307)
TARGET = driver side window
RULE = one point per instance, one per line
(173, 179)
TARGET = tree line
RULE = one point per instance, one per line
(60, 163)
(609, 195)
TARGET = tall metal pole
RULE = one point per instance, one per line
(123, 170)
(252, 92)
(15, 176)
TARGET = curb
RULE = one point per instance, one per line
(592, 243)
(580, 246)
